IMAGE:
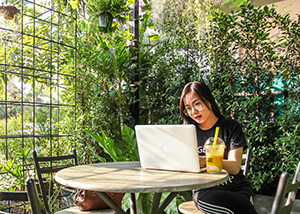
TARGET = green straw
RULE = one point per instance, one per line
(216, 136)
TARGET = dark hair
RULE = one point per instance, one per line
(205, 95)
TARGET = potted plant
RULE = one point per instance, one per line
(107, 10)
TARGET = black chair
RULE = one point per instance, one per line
(49, 166)
(189, 206)
(245, 164)
(286, 193)
(29, 196)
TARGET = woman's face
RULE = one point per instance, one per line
(197, 110)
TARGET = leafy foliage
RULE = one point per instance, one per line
(114, 7)
(15, 178)
(127, 150)
(103, 90)
(239, 61)
(118, 9)
(245, 64)
(233, 53)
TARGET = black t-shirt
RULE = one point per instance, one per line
(232, 134)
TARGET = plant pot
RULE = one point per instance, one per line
(105, 20)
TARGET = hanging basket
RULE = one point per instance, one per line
(105, 20)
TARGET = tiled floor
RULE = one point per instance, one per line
(263, 204)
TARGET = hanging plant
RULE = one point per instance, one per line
(107, 10)
(105, 19)
(8, 15)
(8, 12)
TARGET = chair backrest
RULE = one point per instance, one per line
(286, 193)
(245, 164)
(24, 196)
(50, 165)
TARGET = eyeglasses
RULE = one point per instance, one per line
(198, 106)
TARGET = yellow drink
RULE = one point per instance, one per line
(214, 155)
(214, 162)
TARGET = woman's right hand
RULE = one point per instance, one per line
(202, 161)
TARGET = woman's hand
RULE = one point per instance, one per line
(202, 161)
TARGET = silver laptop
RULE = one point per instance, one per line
(168, 147)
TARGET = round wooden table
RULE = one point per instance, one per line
(129, 177)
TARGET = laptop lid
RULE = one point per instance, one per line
(168, 147)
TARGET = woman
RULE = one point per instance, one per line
(198, 106)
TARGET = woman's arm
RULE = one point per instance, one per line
(234, 162)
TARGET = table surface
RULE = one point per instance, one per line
(130, 177)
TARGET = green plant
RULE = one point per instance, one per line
(124, 150)
(54, 199)
(18, 207)
(168, 60)
(16, 171)
(117, 8)
(243, 63)
(103, 91)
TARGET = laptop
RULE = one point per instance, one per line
(168, 147)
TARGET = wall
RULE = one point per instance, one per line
(283, 6)
(288, 6)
